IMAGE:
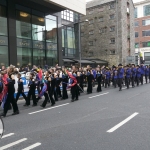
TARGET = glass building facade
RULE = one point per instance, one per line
(34, 34)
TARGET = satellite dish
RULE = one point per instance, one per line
(1, 127)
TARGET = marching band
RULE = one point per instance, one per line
(53, 83)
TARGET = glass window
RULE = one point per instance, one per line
(24, 56)
(70, 37)
(147, 56)
(112, 52)
(3, 21)
(39, 57)
(135, 12)
(101, 19)
(136, 23)
(146, 44)
(51, 31)
(23, 25)
(91, 43)
(136, 34)
(146, 10)
(146, 33)
(112, 5)
(112, 16)
(91, 32)
(146, 22)
(112, 28)
(136, 45)
(4, 55)
(38, 28)
(51, 57)
(112, 40)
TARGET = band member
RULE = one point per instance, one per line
(120, 76)
(115, 77)
(142, 73)
(99, 79)
(32, 87)
(138, 73)
(133, 72)
(20, 88)
(128, 75)
(146, 73)
(90, 79)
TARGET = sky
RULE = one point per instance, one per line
(134, 1)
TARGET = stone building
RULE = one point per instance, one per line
(109, 33)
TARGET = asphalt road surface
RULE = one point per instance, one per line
(110, 120)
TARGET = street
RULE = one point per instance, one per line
(110, 120)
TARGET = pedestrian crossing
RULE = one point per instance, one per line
(15, 143)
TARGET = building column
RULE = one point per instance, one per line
(12, 48)
(59, 35)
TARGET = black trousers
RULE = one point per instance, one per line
(115, 82)
(138, 80)
(22, 93)
(89, 88)
(46, 99)
(51, 94)
(99, 88)
(74, 92)
(64, 92)
(133, 81)
(58, 91)
(141, 79)
(55, 95)
(31, 93)
(81, 86)
(127, 82)
(120, 83)
(107, 83)
(10, 100)
(146, 78)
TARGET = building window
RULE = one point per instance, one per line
(146, 10)
(135, 12)
(100, 9)
(146, 22)
(112, 41)
(101, 19)
(91, 43)
(136, 45)
(112, 52)
(91, 21)
(112, 6)
(136, 34)
(146, 44)
(91, 32)
(147, 56)
(112, 16)
(90, 12)
(146, 33)
(136, 23)
(69, 15)
(112, 28)
(102, 30)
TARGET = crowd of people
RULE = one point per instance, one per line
(53, 83)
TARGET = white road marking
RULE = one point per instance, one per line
(7, 135)
(99, 95)
(122, 123)
(12, 144)
(48, 109)
(32, 146)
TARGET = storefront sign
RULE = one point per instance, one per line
(38, 45)
(23, 43)
(3, 40)
(51, 46)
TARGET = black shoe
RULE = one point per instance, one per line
(15, 113)
(25, 105)
(77, 99)
(52, 104)
(34, 105)
(42, 106)
(3, 115)
(72, 100)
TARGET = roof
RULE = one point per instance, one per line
(141, 2)
(97, 2)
